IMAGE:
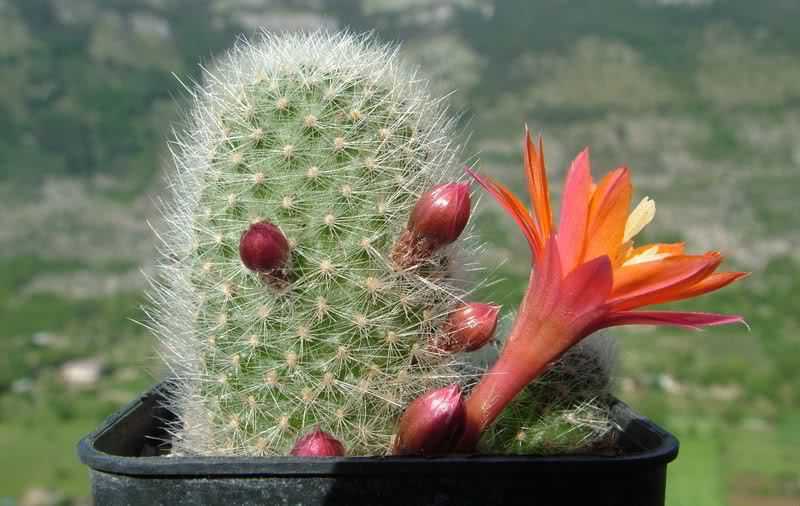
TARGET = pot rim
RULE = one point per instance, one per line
(656, 447)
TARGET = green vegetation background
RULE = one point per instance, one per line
(700, 97)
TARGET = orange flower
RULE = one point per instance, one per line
(588, 276)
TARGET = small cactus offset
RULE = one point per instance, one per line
(564, 410)
(311, 260)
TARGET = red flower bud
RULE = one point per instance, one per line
(317, 444)
(263, 247)
(441, 214)
(470, 326)
(433, 423)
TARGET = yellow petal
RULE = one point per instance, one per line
(639, 218)
(648, 255)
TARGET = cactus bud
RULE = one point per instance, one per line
(470, 326)
(433, 423)
(317, 444)
(441, 214)
(263, 247)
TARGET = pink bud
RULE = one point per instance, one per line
(433, 423)
(263, 247)
(317, 444)
(470, 326)
(441, 214)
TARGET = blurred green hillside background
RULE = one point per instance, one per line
(700, 97)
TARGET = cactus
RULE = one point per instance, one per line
(311, 284)
(298, 292)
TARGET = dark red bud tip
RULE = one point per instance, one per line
(432, 424)
(263, 247)
(441, 214)
(317, 444)
(470, 326)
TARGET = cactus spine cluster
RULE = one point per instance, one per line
(331, 140)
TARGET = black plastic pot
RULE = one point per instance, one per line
(125, 468)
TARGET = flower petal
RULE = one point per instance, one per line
(641, 216)
(629, 255)
(546, 280)
(515, 208)
(670, 249)
(659, 281)
(690, 320)
(608, 214)
(583, 294)
(711, 283)
(537, 185)
(574, 211)
(588, 286)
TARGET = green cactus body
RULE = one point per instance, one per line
(331, 139)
